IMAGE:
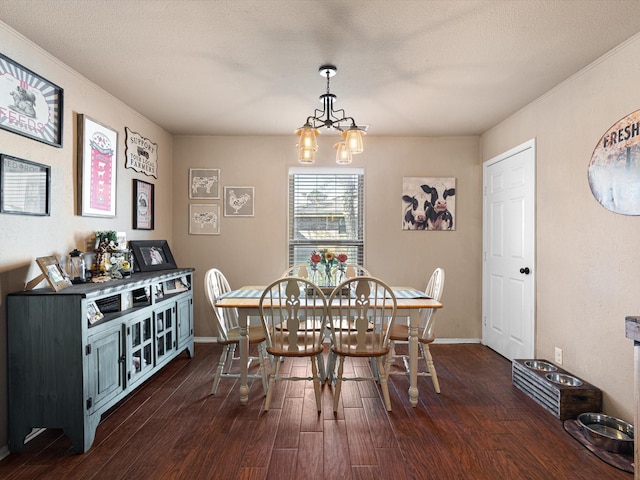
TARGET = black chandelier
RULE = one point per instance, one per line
(330, 118)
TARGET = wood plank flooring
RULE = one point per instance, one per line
(479, 427)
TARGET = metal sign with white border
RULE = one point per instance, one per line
(141, 154)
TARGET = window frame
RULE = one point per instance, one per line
(337, 245)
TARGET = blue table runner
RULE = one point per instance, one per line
(250, 293)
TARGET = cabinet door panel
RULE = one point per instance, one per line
(164, 325)
(104, 366)
(139, 347)
(185, 321)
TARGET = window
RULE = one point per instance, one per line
(326, 211)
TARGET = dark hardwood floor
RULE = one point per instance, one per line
(479, 427)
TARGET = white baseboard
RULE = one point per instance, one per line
(4, 451)
(205, 339)
(457, 340)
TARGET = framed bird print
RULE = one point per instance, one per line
(239, 201)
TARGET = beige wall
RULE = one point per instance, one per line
(23, 238)
(254, 250)
(587, 257)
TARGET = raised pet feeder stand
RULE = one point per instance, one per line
(559, 392)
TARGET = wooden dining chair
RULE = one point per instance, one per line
(361, 314)
(353, 270)
(294, 316)
(226, 321)
(426, 333)
(298, 270)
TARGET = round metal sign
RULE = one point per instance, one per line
(614, 170)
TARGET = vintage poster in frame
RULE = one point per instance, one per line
(141, 153)
(97, 168)
(428, 203)
(29, 104)
(204, 183)
(204, 219)
(25, 187)
(143, 205)
(239, 201)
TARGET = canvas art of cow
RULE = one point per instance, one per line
(428, 204)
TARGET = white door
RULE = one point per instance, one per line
(508, 277)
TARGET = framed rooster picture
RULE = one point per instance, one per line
(239, 201)
(428, 203)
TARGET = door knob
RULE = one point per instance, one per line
(525, 270)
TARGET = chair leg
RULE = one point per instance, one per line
(428, 359)
(331, 368)
(232, 351)
(390, 358)
(219, 369)
(321, 369)
(392, 351)
(336, 394)
(375, 372)
(263, 368)
(316, 382)
(384, 384)
(272, 380)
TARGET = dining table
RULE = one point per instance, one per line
(409, 302)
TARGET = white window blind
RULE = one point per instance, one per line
(326, 210)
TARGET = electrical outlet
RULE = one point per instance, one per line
(558, 356)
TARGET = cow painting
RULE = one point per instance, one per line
(428, 203)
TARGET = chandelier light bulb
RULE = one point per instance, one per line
(306, 155)
(343, 155)
(308, 137)
(353, 140)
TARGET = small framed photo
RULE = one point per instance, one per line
(152, 255)
(25, 187)
(239, 201)
(31, 105)
(97, 168)
(93, 313)
(143, 205)
(53, 273)
(204, 183)
(204, 219)
(176, 285)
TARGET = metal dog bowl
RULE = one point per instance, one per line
(540, 365)
(607, 432)
(562, 379)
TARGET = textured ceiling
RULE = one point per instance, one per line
(238, 67)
